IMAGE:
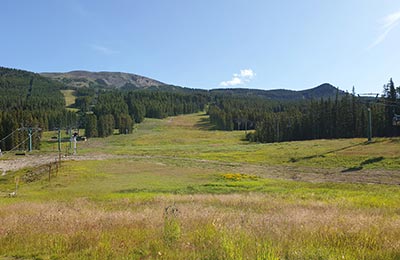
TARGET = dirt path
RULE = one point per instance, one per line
(17, 163)
(307, 174)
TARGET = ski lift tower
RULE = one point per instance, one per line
(30, 134)
(370, 96)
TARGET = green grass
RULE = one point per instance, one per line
(121, 178)
(176, 190)
(184, 137)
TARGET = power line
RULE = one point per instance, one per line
(23, 142)
(378, 102)
(9, 134)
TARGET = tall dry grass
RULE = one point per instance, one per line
(234, 226)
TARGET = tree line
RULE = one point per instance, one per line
(121, 110)
(344, 116)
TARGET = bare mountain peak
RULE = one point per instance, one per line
(104, 79)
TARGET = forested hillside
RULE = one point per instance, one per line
(28, 100)
(325, 90)
(343, 116)
(31, 101)
(120, 110)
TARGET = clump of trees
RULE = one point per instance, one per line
(28, 100)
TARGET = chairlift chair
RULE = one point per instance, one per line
(396, 120)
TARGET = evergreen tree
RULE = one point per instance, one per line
(91, 126)
(105, 125)
(126, 124)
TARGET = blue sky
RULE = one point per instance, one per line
(210, 43)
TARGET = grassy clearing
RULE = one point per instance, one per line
(181, 191)
(188, 137)
(69, 96)
(105, 180)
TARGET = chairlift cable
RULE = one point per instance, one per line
(10, 134)
(23, 142)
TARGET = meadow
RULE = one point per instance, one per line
(177, 189)
(69, 96)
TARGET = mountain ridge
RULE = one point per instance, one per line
(102, 79)
(324, 90)
(129, 81)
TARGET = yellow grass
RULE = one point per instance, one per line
(210, 226)
(69, 96)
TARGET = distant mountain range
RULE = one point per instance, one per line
(127, 81)
(325, 90)
(103, 79)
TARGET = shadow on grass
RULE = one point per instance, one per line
(362, 164)
(205, 124)
(293, 160)
(353, 169)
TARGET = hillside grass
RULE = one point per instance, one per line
(69, 96)
(189, 137)
(176, 190)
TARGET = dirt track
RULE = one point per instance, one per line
(21, 162)
(307, 174)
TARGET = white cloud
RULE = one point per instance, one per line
(241, 78)
(389, 22)
(247, 73)
(103, 49)
(233, 82)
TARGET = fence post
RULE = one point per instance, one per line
(56, 167)
(49, 172)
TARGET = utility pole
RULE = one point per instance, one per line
(30, 135)
(369, 125)
(59, 149)
(30, 139)
(75, 141)
(59, 140)
(70, 139)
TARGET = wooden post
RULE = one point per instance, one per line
(49, 172)
(16, 184)
(56, 167)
